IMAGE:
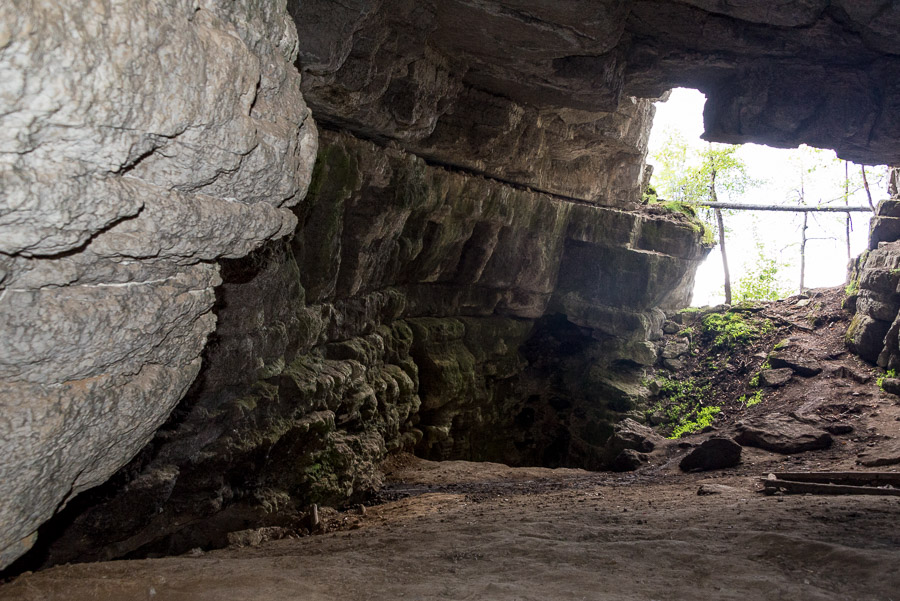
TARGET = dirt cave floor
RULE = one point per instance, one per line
(459, 530)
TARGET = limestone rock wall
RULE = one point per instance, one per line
(472, 258)
(874, 291)
(557, 76)
(137, 145)
(415, 308)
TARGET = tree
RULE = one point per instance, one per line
(761, 281)
(691, 176)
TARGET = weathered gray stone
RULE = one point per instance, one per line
(676, 348)
(628, 461)
(891, 385)
(781, 434)
(490, 71)
(886, 454)
(798, 365)
(631, 435)
(137, 144)
(775, 377)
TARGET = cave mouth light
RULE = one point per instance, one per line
(763, 248)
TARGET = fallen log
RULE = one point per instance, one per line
(833, 483)
(788, 208)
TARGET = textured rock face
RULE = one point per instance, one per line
(548, 79)
(874, 333)
(504, 317)
(137, 145)
(415, 308)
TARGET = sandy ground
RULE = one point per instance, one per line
(490, 532)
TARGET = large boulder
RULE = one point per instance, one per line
(713, 454)
(139, 142)
(781, 434)
(629, 434)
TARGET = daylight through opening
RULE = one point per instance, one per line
(765, 249)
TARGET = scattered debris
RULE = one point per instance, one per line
(253, 537)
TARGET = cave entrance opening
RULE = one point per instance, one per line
(769, 253)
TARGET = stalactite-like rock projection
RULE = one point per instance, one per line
(471, 275)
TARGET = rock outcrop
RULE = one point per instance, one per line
(781, 434)
(874, 291)
(415, 308)
(472, 275)
(541, 93)
(127, 170)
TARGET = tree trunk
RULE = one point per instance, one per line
(733, 206)
(894, 182)
(803, 253)
(721, 224)
(847, 203)
(866, 186)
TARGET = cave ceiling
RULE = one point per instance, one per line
(821, 72)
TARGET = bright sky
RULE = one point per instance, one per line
(826, 259)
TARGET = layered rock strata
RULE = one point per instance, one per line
(127, 170)
(415, 308)
(531, 91)
(874, 291)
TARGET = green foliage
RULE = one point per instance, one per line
(683, 406)
(709, 236)
(677, 206)
(684, 173)
(852, 288)
(702, 418)
(761, 281)
(754, 381)
(732, 329)
(751, 399)
(888, 374)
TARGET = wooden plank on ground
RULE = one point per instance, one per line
(815, 488)
(851, 478)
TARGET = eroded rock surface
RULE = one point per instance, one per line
(874, 333)
(505, 316)
(415, 308)
(139, 142)
(781, 434)
(544, 93)
(713, 454)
